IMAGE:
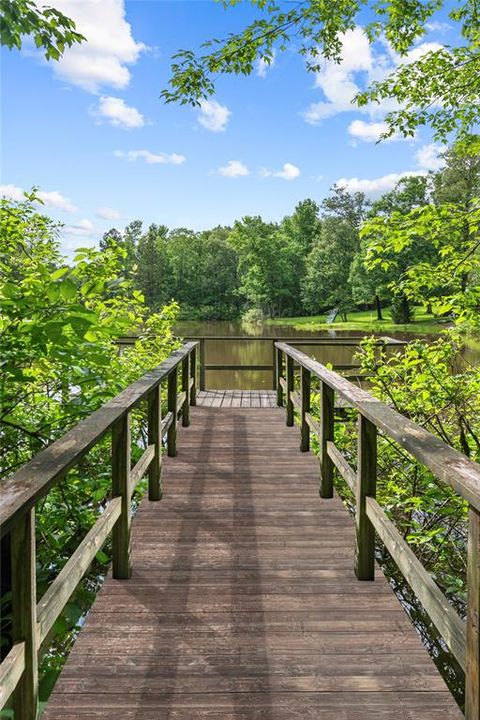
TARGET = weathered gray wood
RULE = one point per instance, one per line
(155, 441)
(24, 616)
(274, 366)
(21, 490)
(295, 397)
(172, 400)
(138, 471)
(342, 465)
(216, 366)
(121, 449)
(193, 376)
(202, 364)
(279, 371)
(327, 430)
(166, 422)
(56, 596)
(313, 424)
(447, 464)
(11, 671)
(186, 390)
(365, 487)
(304, 409)
(442, 614)
(289, 390)
(472, 672)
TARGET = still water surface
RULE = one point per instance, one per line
(256, 348)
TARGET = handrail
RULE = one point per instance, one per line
(32, 620)
(449, 465)
(27, 485)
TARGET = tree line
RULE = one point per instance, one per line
(345, 252)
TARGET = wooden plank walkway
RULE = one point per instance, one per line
(243, 604)
(237, 398)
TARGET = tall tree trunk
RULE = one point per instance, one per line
(379, 308)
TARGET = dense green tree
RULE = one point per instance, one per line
(261, 265)
(326, 282)
(153, 274)
(350, 207)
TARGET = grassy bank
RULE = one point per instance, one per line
(365, 321)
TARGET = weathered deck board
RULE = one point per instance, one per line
(237, 398)
(243, 604)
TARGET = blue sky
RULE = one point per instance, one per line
(93, 135)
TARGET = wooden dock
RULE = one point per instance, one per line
(243, 603)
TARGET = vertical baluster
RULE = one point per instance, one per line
(304, 408)
(155, 438)
(185, 384)
(279, 371)
(274, 366)
(289, 403)
(472, 675)
(202, 364)
(172, 407)
(24, 620)
(121, 560)
(366, 486)
(193, 375)
(327, 430)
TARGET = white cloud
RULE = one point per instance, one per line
(288, 172)
(84, 228)
(376, 185)
(108, 213)
(263, 65)
(151, 158)
(102, 60)
(372, 131)
(12, 192)
(51, 198)
(213, 116)
(428, 158)
(116, 112)
(233, 169)
(361, 64)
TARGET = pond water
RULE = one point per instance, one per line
(252, 344)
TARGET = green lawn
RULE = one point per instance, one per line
(365, 320)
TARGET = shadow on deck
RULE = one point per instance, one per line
(243, 603)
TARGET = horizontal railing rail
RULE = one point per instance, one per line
(446, 463)
(32, 620)
(204, 366)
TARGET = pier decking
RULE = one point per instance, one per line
(243, 603)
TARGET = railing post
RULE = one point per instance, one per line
(274, 366)
(121, 560)
(24, 606)
(366, 487)
(202, 364)
(304, 408)
(279, 370)
(289, 403)
(193, 375)
(185, 389)
(472, 674)
(155, 438)
(327, 429)
(172, 407)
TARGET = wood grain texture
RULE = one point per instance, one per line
(243, 603)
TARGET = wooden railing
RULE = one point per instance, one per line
(32, 620)
(450, 466)
(345, 341)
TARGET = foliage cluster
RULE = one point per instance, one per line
(58, 324)
(415, 244)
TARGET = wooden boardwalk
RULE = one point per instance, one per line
(243, 603)
(237, 398)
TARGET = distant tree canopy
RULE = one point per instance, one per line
(441, 88)
(417, 243)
